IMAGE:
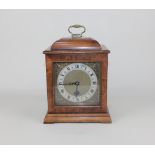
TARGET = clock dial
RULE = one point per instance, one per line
(77, 82)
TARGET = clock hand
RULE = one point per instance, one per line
(71, 83)
(66, 83)
(76, 83)
(76, 93)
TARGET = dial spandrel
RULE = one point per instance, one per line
(77, 83)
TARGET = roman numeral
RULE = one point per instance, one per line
(94, 82)
(76, 66)
(62, 90)
(84, 67)
(60, 83)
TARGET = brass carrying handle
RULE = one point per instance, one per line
(75, 35)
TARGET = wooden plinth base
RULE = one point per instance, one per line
(78, 118)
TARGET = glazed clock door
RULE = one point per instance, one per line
(77, 84)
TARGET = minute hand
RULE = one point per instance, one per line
(73, 83)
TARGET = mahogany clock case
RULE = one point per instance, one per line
(70, 50)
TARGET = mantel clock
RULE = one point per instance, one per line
(76, 70)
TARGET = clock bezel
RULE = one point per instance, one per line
(74, 58)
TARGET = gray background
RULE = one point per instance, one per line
(129, 34)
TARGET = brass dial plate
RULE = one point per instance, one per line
(86, 93)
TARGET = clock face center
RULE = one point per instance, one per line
(80, 77)
(77, 82)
